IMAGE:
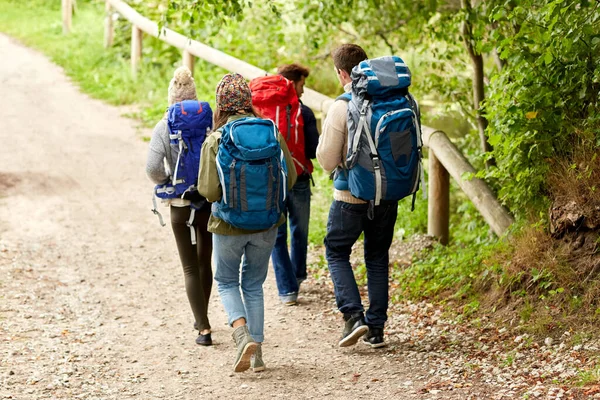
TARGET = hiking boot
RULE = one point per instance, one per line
(257, 364)
(374, 337)
(290, 299)
(204, 340)
(354, 328)
(246, 346)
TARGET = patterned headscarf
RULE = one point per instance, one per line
(233, 93)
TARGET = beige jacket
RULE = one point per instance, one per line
(333, 144)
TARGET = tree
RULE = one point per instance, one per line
(536, 60)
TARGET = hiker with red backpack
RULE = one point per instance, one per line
(246, 171)
(177, 139)
(279, 100)
(371, 140)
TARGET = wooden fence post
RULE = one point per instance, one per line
(67, 13)
(189, 60)
(438, 219)
(108, 26)
(136, 49)
(497, 217)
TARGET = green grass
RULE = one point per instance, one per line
(103, 73)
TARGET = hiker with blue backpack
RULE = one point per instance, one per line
(371, 142)
(177, 139)
(246, 170)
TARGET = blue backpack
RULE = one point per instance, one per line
(253, 174)
(188, 123)
(384, 143)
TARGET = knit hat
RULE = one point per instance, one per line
(182, 86)
(233, 93)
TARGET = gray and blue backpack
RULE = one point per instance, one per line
(188, 123)
(253, 174)
(384, 143)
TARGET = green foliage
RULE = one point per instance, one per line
(545, 99)
(452, 271)
(322, 195)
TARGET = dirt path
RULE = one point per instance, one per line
(92, 304)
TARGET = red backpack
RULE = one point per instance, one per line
(275, 98)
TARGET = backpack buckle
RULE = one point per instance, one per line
(376, 162)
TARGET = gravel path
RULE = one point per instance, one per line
(92, 304)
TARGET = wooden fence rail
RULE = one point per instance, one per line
(445, 159)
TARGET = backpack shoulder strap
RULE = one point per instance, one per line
(345, 97)
(414, 105)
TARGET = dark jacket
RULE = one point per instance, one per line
(311, 133)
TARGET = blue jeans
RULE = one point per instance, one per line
(345, 224)
(252, 252)
(290, 269)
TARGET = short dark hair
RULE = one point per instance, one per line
(347, 56)
(294, 72)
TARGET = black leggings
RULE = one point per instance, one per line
(195, 259)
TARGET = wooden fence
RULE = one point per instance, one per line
(445, 159)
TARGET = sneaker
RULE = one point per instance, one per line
(256, 363)
(204, 340)
(354, 328)
(246, 346)
(374, 338)
(290, 299)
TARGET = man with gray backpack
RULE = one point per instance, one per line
(371, 141)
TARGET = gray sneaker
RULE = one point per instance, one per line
(290, 299)
(246, 346)
(354, 329)
(257, 364)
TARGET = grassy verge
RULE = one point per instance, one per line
(103, 73)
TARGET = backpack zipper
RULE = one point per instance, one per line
(384, 116)
(288, 112)
(222, 180)
(232, 183)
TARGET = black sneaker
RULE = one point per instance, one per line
(374, 338)
(204, 340)
(354, 328)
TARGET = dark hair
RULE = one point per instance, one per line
(347, 56)
(220, 117)
(294, 72)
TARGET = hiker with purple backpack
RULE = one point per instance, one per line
(177, 139)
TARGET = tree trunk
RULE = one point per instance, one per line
(478, 80)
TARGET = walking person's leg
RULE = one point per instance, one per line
(299, 216)
(204, 255)
(195, 280)
(379, 233)
(344, 226)
(254, 272)
(285, 276)
(228, 252)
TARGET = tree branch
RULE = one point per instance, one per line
(385, 39)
